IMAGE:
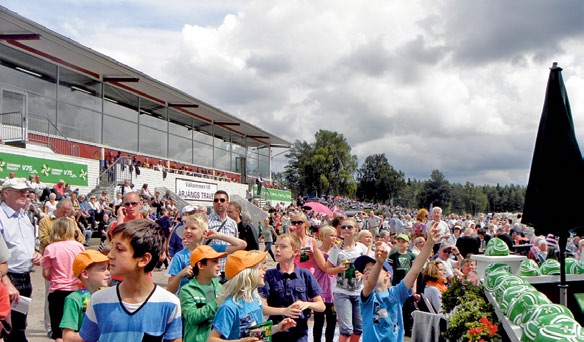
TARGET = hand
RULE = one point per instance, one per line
(286, 324)
(434, 234)
(292, 311)
(417, 297)
(186, 272)
(455, 250)
(12, 292)
(37, 258)
(121, 213)
(210, 234)
(301, 305)
(381, 252)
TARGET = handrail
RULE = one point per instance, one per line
(52, 136)
(116, 174)
(12, 124)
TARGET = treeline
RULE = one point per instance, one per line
(327, 167)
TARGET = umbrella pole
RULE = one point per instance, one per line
(563, 286)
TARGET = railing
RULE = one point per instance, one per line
(42, 130)
(115, 175)
(257, 214)
(179, 202)
(12, 127)
(18, 129)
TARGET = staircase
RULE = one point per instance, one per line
(257, 214)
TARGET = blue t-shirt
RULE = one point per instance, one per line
(107, 319)
(382, 314)
(231, 318)
(282, 292)
(182, 259)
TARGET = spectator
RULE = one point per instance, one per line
(435, 276)
(246, 231)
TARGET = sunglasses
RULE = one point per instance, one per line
(222, 200)
(448, 251)
(347, 227)
(131, 204)
(296, 222)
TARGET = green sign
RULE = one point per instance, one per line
(51, 171)
(274, 195)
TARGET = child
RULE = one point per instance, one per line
(136, 309)
(347, 286)
(241, 305)
(381, 304)
(195, 230)
(198, 297)
(290, 290)
(92, 269)
(58, 257)
(328, 236)
(401, 261)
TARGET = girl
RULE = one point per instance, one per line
(195, 230)
(347, 286)
(328, 235)
(366, 238)
(435, 276)
(241, 306)
(58, 270)
(310, 256)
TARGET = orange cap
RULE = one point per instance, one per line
(86, 258)
(240, 260)
(205, 252)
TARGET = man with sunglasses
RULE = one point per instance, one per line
(219, 221)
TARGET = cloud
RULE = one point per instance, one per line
(457, 86)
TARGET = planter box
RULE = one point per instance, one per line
(483, 261)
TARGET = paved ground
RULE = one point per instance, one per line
(36, 331)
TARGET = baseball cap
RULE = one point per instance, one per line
(363, 260)
(205, 252)
(404, 237)
(445, 244)
(15, 183)
(240, 260)
(456, 227)
(188, 208)
(86, 258)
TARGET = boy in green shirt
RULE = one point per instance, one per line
(92, 269)
(198, 298)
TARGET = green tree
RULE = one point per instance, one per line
(378, 180)
(435, 191)
(325, 167)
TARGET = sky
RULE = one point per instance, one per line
(455, 86)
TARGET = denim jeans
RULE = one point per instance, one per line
(348, 314)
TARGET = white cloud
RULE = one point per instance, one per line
(455, 86)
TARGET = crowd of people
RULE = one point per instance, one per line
(359, 275)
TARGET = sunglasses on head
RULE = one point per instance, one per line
(131, 204)
(222, 200)
(346, 226)
(296, 222)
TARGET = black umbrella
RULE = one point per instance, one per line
(553, 200)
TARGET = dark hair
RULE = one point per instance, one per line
(196, 266)
(221, 192)
(145, 237)
(337, 221)
(481, 231)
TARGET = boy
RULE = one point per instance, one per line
(290, 291)
(91, 267)
(381, 304)
(136, 309)
(401, 260)
(198, 297)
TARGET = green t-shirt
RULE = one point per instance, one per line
(74, 309)
(401, 264)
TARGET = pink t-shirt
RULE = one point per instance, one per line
(58, 259)
(309, 264)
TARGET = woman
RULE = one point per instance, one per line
(329, 239)
(309, 246)
(268, 233)
(366, 238)
(51, 204)
(419, 227)
(347, 286)
(145, 193)
(435, 276)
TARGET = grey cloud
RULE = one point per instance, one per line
(269, 65)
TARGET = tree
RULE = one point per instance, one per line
(435, 191)
(325, 167)
(378, 180)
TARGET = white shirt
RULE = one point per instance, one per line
(19, 235)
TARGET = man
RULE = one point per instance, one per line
(220, 222)
(442, 226)
(467, 243)
(246, 231)
(259, 182)
(373, 223)
(443, 256)
(18, 232)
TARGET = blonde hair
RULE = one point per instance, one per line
(199, 219)
(363, 233)
(294, 240)
(327, 230)
(244, 285)
(300, 216)
(63, 229)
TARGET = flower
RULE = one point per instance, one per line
(481, 331)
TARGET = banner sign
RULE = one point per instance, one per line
(195, 191)
(274, 195)
(51, 171)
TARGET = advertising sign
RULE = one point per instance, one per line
(195, 191)
(274, 195)
(51, 171)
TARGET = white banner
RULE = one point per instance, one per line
(195, 191)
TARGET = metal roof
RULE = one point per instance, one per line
(23, 34)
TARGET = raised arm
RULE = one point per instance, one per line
(412, 275)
